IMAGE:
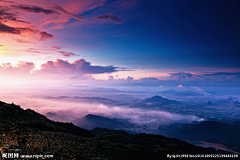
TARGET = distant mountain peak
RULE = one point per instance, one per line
(93, 116)
(156, 100)
(209, 103)
(91, 121)
(236, 102)
(230, 99)
(157, 97)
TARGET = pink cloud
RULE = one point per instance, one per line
(22, 68)
(67, 54)
(78, 67)
(25, 32)
(56, 47)
(180, 86)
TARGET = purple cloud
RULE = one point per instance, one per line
(109, 17)
(80, 66)
(21, 68)
(184, 76)
(56, 47)
(35, 9)
(222, 73)
(20, 31)
(129, 79)
(68, 13)
(45, 35)
(6, 16)
(22, 41)
(66, 54)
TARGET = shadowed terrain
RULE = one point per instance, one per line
(33, 133)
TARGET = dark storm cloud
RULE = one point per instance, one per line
(34, 9)
(109, 17)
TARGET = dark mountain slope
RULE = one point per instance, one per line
(18, 119)
(158, 100)
(149, 141)
(209, 103)
(209, 131)
(91, 121)
(33, 133)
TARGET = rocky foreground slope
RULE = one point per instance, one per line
(32, 133)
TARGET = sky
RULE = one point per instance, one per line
(120, 41)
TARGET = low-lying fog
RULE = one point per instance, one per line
(66, 111)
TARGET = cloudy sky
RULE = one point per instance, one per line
(181, 40)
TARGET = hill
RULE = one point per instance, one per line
(149, 141)
(19, 119)
(158, 100)
(208, 131)
(91, 121)
(32, 133)
(209, 103)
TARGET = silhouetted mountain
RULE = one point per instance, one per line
(230, 99)
(149, 141)
(60, 116)
(236, 103)
(156, 100)
(91, 121)
(209, 131)
(28, 119)
(33, 133)
(209, 103)
(50, 114)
